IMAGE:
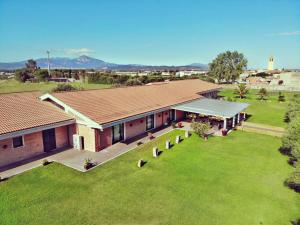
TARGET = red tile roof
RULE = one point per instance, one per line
(24, 110)
(107, 105)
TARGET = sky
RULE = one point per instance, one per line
(152, 32)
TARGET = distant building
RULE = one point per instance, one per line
(271, 63)
(189, 73)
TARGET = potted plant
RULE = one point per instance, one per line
(45, 162)
(87, 164)
(224, 132)
(173, 125)
(150, 135)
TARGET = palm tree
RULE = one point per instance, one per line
(241, 90)
(262, 93)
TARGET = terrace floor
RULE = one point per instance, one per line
(75, 159)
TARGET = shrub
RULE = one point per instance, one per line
(45, 162)
(241, 91)
(22, 75)
(41, 75)
(291, 140)
(293, 108)
(64, 87)
(173, 124)
(293, 181)
(296, 222)
(200, 128)
(133, 81)
(281, 97)
(139, 143)
(229, 99)
(262, 94)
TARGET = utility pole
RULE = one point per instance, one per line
(48, 53)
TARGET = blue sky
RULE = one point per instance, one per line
(151, 31)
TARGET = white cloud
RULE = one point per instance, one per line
(74, 51)
(291, 33)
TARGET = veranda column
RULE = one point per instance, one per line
(238, 118)
(225, 123)
(233, 121)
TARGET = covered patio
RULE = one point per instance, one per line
(218, 113)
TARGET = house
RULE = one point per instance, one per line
(29, 127)
(95, 119)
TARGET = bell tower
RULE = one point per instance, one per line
(271, 63)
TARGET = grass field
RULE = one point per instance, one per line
(9, 86)
(224, 181)
(269, 112)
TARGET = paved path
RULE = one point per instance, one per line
(75, 158)
(262, 129)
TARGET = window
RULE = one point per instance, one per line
(149, 122)
(18, 142)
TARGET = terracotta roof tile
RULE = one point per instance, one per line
(107, 105)
(24, 110)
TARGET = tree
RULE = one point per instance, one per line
(22, 75)
(31, 64)
(227, 66)
(41, 75)
(241, 90)
(200, 129)
(262, 94)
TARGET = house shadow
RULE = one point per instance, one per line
(159, 153)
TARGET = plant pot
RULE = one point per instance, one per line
(224, 132)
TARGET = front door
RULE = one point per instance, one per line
(117, 133)
(49, 140)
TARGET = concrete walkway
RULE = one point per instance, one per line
(75, 158)
(262, 129)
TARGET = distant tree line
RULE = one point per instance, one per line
(225, 68)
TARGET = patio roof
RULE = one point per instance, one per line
(212, 107)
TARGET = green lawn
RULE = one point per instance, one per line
(227, 181)
(9, 86)
(269, 112)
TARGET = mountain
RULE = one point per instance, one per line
(86, 62)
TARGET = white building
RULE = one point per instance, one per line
(189, 72)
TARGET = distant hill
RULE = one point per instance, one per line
(86, 62)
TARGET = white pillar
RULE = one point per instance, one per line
(233, 121)
(238, 119)
(124, 127)
(225, 123)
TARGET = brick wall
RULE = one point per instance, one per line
(135, 127)
(179, 115)
(32, 146)
(105, 138)
(61, 136)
